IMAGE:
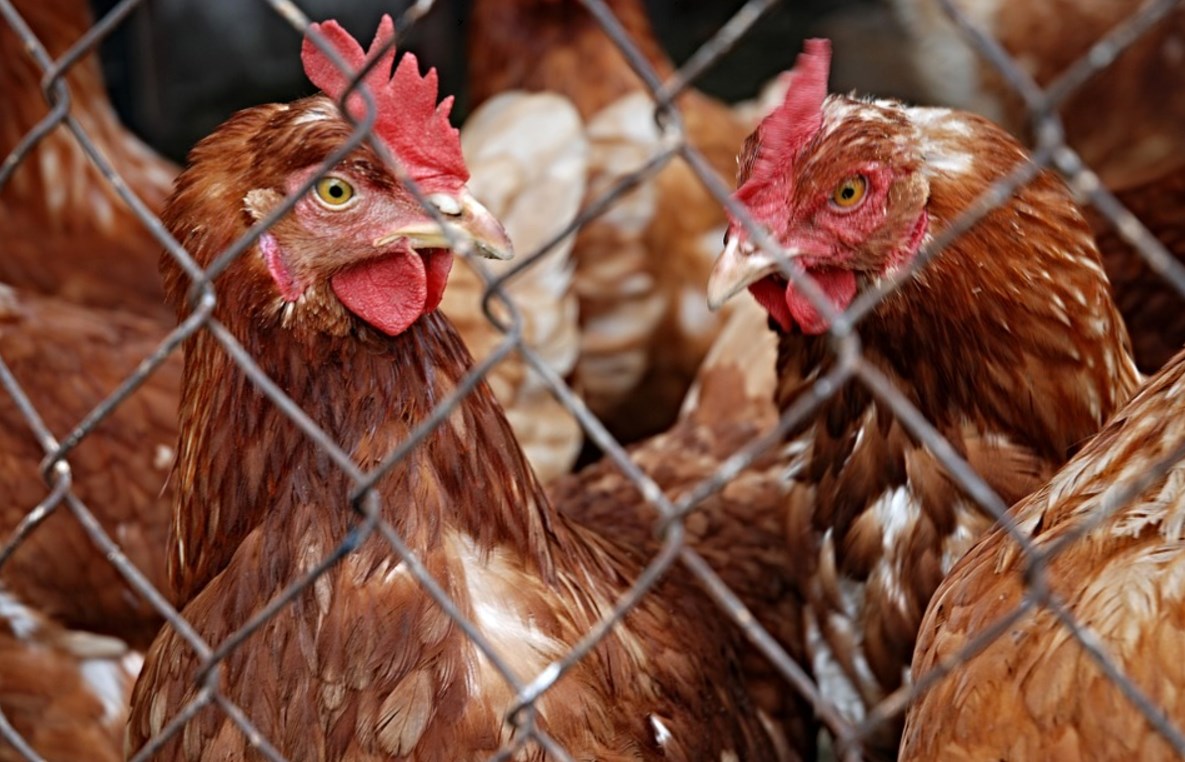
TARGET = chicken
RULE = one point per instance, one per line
(64, 229)
(67, 359)
(528, 161)
(64, 692)
(1109, 526)
(1007, 342)
(336, 303)
(1124, 121)
(641, 266)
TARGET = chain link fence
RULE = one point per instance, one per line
(1051, 150)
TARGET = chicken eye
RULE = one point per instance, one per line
(850, 192)
(334, 192)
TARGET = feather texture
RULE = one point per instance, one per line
(1035, 692)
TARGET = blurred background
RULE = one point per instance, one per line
(176, 69)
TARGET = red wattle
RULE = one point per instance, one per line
(838, 285)
(788, 307)
(393, 292)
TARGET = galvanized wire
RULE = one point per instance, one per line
(366, 503)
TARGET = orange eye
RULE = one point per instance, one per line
(334, 192)
(850, 192)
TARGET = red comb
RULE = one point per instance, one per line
(792, 125)
(407, 118)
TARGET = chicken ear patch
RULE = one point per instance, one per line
(407, 117)
(393, 292)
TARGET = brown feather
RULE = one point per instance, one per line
(1034, 692)
(68, 359)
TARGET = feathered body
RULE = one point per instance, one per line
(740, 530)
(1007, 342)
(81, 306)
(67, 359)
(364, 664)
(1124, 121)
(65, 230)
(1035, 692)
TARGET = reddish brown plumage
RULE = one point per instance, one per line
(363, 664)
(739, 531)
(65, 230)
(1007, 342)
(1124, 121)
(68, 359)
(66, 234)
(1034, 692)
(553, 45)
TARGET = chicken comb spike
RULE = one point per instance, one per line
(788, 129)
(407, 117)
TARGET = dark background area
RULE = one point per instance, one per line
(177, 68)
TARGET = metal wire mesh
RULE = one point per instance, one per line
(1051, 150)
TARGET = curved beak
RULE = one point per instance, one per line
(466, 220)
(741, 265)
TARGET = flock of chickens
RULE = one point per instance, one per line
(852, 541)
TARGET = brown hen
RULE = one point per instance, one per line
(1007, 342)
(641, 266)
(337, 304)
(1115, 567)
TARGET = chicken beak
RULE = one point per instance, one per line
(740, 266)
(466, 219)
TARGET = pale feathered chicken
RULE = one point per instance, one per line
(1007, 342)
(1035, 692)
(337, 303)
(1127, 121)
(528, 161)
(640, 268)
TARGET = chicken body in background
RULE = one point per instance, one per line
(81, 306)
(336, 304)
(640, 267)
(68, 359)
(63, 229)
(528, 161)
(1035, 692)
(1008, 342)
(64, 691)
(1127, 122)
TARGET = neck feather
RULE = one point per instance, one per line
(244, 466)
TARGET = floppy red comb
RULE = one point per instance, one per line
(788, 129)
(407, 117)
